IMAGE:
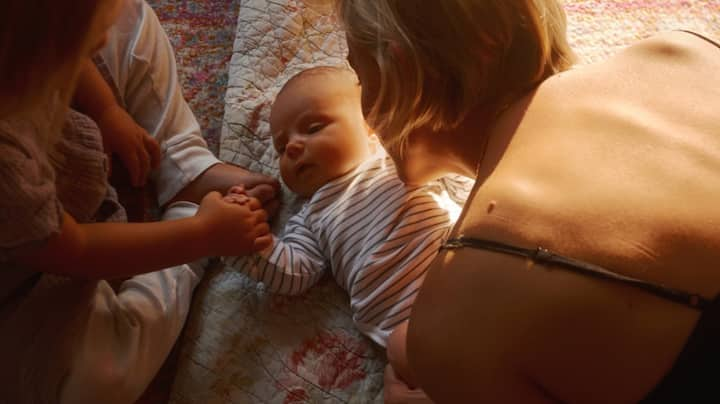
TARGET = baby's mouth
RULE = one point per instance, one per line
(301, 168)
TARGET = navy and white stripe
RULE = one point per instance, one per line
(375, 234)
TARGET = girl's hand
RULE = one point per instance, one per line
(139, 151)
(235, 224)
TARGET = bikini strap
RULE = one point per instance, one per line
(542, 255)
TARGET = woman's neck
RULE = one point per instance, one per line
(466, 145)
(477, 145)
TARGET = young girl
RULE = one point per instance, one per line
(67, 335)
(584, 265)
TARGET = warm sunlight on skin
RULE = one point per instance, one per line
(443, 199)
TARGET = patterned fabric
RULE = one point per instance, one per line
(202, 33)
(244, 345)
(599, 28)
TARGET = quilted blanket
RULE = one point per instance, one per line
(244, 345)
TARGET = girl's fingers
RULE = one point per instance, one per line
(263, 192)
(254, 204)
(262, 242)
(262, 229)
(261, 216)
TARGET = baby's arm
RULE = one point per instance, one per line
(138, 150)
(289, 265)
(120, 250)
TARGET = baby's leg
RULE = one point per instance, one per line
(400, 385)
(140, 59)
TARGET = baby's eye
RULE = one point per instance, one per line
(315, 127)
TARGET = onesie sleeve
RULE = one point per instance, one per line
(292, 265)
(29, 207)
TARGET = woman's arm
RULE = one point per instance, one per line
(117, 250)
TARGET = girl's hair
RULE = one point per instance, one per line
(42, 45)
(437, 60)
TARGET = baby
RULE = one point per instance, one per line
(375, 235)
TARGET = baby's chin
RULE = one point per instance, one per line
(302, 190)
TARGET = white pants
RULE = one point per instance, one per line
(73, 341)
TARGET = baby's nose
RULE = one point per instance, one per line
(294, 149)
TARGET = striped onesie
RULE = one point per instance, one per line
(375, 234)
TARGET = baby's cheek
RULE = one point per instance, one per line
(285, 173)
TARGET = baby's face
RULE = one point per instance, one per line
(318, 130)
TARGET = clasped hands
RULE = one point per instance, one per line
(234, 224)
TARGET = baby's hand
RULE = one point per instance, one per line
(138, 151)
(235, 224)
(237, 195)
(236, 190)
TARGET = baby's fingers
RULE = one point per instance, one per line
(237, 199)
(237, 189)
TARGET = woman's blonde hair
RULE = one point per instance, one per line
(437, 60)
(42, 46)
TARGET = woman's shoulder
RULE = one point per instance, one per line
(677, 44)
(674, 52)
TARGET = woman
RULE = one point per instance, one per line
(67, 335)
(584, 266)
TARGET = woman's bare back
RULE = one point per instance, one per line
(621, 173)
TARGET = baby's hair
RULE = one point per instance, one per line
(438, 60)
(315, 71)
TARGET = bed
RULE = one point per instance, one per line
(245, 345)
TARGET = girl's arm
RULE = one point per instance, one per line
(93, 95)
(120, 250)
